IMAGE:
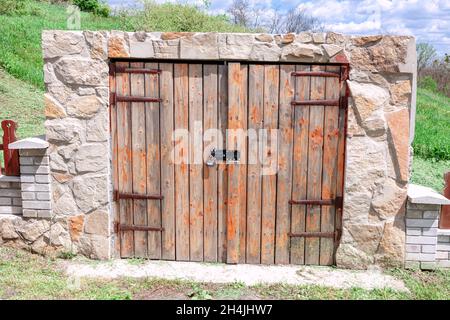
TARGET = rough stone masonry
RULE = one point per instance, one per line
(380, 127)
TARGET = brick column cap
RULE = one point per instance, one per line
(30, 143)
(424, 195)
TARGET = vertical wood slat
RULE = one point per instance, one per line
(181, 100)
(195, 164)
(254, 178)
(222, 169)
(125, 182)
(243, 166)
(114, 145)
(235, 180)
(285, 145)
(269, 166)
(152, 132)
(300, 165)
(167, 163)
(331, 139)
(210, 108)
(315, 154)
(138, 159)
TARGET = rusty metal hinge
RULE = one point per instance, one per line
(123, 227)
(339, 202)
(313, 234)
(325, 102)
(112, 98)
(326, 74)
(120, 195)
(345, 69)
(137, 70)
(325, 202)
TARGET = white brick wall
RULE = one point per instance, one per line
(35, 178)
(10, 195)
(427, 246)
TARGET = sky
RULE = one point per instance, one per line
(428, 21)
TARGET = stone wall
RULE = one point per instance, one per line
(382, 82)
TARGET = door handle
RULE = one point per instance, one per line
(211, 161)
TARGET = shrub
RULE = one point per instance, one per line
(178, 17)
(12, 7)
(95, 6)
(19, 8)
(428, 83)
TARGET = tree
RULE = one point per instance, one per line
(240, 12)
(426, 53)
(298, 20)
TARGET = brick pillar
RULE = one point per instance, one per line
(34, 177)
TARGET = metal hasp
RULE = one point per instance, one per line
(226, 155)
(123, 227)
(118, 195)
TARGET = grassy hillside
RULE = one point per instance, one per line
(21, 95)
(20, 36)
(20, 50)
(432, 136)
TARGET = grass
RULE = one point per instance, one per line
(432, 135)
(27, 276)
(22, 103)
(21, 54)
(429, 172)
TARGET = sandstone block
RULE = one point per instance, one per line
(83, 71)
(84, 107)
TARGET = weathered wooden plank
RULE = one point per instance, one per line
(115, 154)
(152, 115)
(315, 154)
(210, 109)
(222, 170)
(236, 121)
(269, 165)
(138, 160)
(284, 182)
(196, 163)
(300, 165)
(254, 178)
(181, 157)
(124, 161)
(167, 163)
(243, 166)
(329, 175)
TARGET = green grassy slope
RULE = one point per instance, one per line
(432, 136)
(20, 38)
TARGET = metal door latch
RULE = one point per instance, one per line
(227, 156)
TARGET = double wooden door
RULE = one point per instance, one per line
(237, 163)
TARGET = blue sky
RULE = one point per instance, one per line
(429, 20)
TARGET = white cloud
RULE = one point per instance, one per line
(427, 20)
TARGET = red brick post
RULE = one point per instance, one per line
(11, 157)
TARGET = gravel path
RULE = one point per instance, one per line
(248, 274)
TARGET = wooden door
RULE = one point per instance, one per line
(280, 203)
